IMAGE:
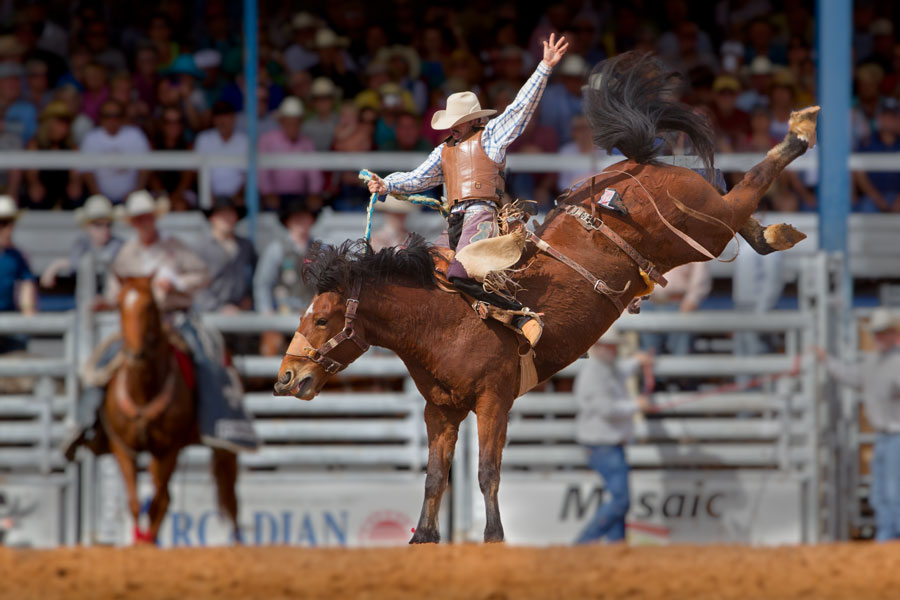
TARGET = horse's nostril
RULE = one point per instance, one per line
(286, 378)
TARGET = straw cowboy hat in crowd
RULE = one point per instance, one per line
(612, 337)
(392, 205)
(141, 202)
(884, 319)
(96, 208)
(9, 211)
(322, 87)
(327, 38)
(290, 107)
(461, 107)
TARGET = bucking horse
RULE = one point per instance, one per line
(581, 268)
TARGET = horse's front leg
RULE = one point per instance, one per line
(493, 416)
(126, 459)
(161, 469)
(442, 424)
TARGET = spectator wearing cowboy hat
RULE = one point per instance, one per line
(301, 55)
(393, 232)
(334, 61)
(277, 285)
(230, 259)
(877, 378)
(278, 183)
(320, 127)
(604, 423)
(96, 218)
(224, 138)
(13, 270)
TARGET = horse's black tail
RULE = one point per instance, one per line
(631, 100)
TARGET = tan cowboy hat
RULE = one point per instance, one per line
(96, 208)
(141, 202)
(393, 205)
(327, 38)
(884, 319)
(461, 107)
(405, 53)
(322, 87)
(8, 208)
(290, 107)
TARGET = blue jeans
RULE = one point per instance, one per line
(885, 492)
(609, 520)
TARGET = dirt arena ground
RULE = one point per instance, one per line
(851, 571)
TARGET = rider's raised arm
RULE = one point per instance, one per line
(424, 177)
(500, 132)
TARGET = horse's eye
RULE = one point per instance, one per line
(321, 322)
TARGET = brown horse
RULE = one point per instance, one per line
(461, 363)
(149, 407)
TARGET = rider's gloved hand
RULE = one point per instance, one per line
(377, 185)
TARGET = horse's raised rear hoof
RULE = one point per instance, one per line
(783, 236)
(803, 123)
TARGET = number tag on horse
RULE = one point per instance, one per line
(610, 199)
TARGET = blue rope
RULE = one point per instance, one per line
(419, 199)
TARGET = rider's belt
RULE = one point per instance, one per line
(472, 206)
(469, 173)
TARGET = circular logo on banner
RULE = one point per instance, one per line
(385, 528)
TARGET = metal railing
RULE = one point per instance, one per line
(387, 161)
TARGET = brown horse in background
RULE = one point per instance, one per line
(150, 408)
(461, 363)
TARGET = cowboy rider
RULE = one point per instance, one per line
(470, 163)
(178, 273)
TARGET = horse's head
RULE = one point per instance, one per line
(325, 342)
(140, 320)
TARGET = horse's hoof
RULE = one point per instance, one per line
(782, 236)
(802, 123)
(494, 537)
(425, 536)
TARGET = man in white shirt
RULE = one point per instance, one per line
(224, 138)
(603, 424)
(114, 137)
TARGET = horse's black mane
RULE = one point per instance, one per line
(334, 268)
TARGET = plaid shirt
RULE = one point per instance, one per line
(498, 134)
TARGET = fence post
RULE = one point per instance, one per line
(82, 346)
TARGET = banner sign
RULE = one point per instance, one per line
(296, 511)
(30, 515)
(666, 507)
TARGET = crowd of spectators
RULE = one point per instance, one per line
(347, 76)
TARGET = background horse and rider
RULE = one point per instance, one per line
(461, 363)
(149, 407)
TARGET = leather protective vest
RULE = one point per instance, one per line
(469, 172)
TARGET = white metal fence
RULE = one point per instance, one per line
(349, 465)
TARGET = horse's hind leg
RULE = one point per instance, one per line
(745, 196)
(442, 425)
(766, 240)
(225, 471)
(129, 475)
(161, 469)
(492, 421)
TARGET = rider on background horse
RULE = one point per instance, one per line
(470, 162)
(178, 274)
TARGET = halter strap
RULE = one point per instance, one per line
(301, 348)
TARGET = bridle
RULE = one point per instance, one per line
(300, 347)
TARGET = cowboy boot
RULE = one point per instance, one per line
(530, 327)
